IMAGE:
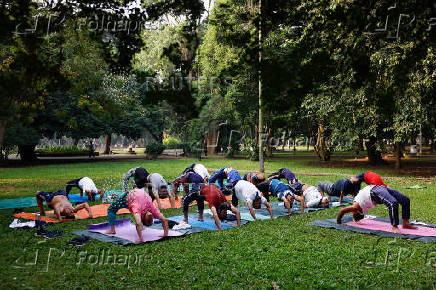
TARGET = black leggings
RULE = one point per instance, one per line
(190, 197)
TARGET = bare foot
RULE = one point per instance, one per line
(111, 232)
(138, 240)
(395, 230)
(410, 227)
(201, 220)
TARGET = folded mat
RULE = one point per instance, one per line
(381, 227)
(125, 233)
(31, 201)
(99, 210)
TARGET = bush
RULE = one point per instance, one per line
(154, 149)
(62, 150)
(172, 143)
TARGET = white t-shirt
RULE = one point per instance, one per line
(246, 191)
(312, 197)
(201, 170)
(363, 198)
(86, 184)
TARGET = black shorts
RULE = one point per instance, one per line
(48, 196)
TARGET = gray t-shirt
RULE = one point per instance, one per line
(156, 181)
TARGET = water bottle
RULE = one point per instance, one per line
(38, 221)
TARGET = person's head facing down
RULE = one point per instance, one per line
(257, 202)
(290, 199)
(357, 216)
(163, 190)
(324, 202)
(222, 210)
(259, 177)
(147, 219)
(68, 211)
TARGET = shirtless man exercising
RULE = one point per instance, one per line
(59, 202)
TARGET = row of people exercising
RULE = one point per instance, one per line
(253, 189)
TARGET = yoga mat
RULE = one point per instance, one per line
(99, 210)
(31, 201)
(18, 202)
(127, 231)
(75, 197)
(207, 224)
(386, 227)
(349, 225)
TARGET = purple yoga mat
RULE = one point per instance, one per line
(126, 230)
(387, 227)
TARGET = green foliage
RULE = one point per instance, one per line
(153, 149)
(171, 143)
(62, 150)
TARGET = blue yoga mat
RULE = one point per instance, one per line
(206, 224)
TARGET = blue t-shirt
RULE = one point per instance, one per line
(345, 186)
(278, 188)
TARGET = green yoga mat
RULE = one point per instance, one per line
(31, 201)
(18, 202)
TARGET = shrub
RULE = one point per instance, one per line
(154, 149)
(172, 143)
(61, 150)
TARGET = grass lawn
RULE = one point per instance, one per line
(283, 252)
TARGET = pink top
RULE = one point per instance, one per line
(140, 202)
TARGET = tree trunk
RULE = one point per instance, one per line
(2, 131)
(269, 149)
(261, 159)
(295, 144)
(433, 145)
(321, 147)
(398, 155)
(107, 146)
(27, 153)
(361, 148)
(374, 155)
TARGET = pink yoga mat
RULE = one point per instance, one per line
(126, 230)
(386, 227)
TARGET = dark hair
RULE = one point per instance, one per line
(221, 207)
(224, 206)
(257, 198)
(357, 216)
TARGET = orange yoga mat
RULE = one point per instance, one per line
(99, 210)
